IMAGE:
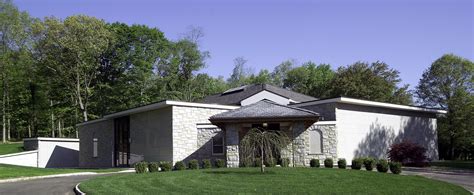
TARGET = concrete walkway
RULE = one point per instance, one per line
(464, 178)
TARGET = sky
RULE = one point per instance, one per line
(406, 34)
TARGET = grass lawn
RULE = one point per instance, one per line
(11, 148)
(460, 164)
(276, 181)
(12, 171)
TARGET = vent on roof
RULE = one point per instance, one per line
(233, 90)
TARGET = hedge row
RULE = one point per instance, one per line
(143, 167)
(381, 165)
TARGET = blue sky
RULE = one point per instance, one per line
(407, 34)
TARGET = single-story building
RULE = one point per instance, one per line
(212, 129)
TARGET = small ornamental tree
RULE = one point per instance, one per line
(264, 143)
(407, 153)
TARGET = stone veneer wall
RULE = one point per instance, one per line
(232, 145)
(204, 144)
(185, 133)
(298, 152)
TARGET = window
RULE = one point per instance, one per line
(218, 144)
(315, 142)
(94, 145)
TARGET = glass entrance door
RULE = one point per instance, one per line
(122, 141)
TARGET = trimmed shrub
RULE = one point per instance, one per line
(153, 167)
(341, 163)
(141, 167)
(258, 162)
(408, 153)
(314, 163)
(220, 163)
(179, 166)
(166, 166)
(247, 162)
(328, 163)
(395, 167)
(382, 166)
(193, 164)
(270, 162)
(357, 163)
(206, 164)
(369, 163)
(285, 162)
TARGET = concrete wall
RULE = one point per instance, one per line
(57, 152)
(151, 136)
(185, 133)
(104, 132)
(29, 159)
(369, 131)
(265, 95)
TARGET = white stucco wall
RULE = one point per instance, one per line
(28, 158)
(265, 95)
(58, 152)
(366, 131)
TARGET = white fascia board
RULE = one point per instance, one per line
(374, 104)
(51, 139)
(159, 105)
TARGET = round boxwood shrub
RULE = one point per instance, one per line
(314, 163)
(193, 164)
(153, 167)
(141, 167)
(270, 162)
(220, 163)
(285, 162)
(179, 166)
(395, 167)
(382, 166)
(206, 164)
(341, 163)
(369, 163)
(328, 163)
(166, 166)
(357, 163)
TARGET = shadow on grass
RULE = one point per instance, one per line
(224, 172)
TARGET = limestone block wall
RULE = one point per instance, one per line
(185, 134)
(232, 145)
(204, 144)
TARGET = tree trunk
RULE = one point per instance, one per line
(29, 130)
(8, 129)
(59, 128)
(4, 113)
(262, 168)
(52, 119)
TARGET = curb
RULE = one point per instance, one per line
(78, 191)
(46, 177)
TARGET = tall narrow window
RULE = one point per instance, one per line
(94, 145)
(315, 141)
(218, 144)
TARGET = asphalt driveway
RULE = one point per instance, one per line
(464, 178)
(59, 185)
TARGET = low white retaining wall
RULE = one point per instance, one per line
(29, 158)
(46, 153)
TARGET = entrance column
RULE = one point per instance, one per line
(232, 144)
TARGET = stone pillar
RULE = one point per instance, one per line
(232, 145)
(298, 147)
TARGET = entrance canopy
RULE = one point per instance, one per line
(265, 111)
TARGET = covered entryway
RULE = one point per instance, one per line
(268, 115)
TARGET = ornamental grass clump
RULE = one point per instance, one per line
(382, 166)
(357, 163)
(314, 163)
(206, 164)
(193, 164)
(395, 167)
(341, 163)
(153, 167)
(328, 163)
(179, 166)
(141, 167)
(369, 163)
(166, 166)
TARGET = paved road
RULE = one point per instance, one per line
(60, 185)
(464, 178)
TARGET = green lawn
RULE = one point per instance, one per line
(275, 181)
(454, 164)
(12, 171)
(11, 148)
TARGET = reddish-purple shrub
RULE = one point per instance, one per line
(408, 153)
